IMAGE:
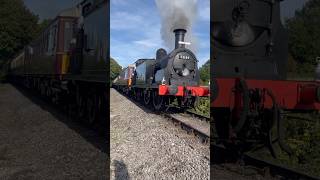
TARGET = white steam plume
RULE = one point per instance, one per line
(177, 14)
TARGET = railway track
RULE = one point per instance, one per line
(199, 126)
(193, 123)
(197, 115)
(263, 166)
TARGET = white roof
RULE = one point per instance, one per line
(71, 12)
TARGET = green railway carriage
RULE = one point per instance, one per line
(68, 62)
(95, 45)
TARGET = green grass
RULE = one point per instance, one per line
(303, 137)
(202, 107)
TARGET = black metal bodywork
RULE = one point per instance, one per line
(90, 56)
(249, 40)
(144, 72)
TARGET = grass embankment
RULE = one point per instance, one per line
(303, 137)
(202, 107)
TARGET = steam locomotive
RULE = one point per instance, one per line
(168, 77)
(67, 62)
(249, 86)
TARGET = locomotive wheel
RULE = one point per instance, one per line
(71, 108)
(194, 102)
(103, 110)
(139, 95)
(180, 102)
(147, 97)
(42, 89)
(48, 91)
(134, 94)
(92, 109)
(81, 107)
(81, 104)
(158, 101)
(191, 102)
(221, 118)
(127, 92)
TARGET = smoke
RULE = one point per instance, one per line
(177, 14)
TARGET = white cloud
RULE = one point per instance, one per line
(204, 10)
(135, 32)
(127, 53)
(125, 21)
(119, 2)
(147, 43)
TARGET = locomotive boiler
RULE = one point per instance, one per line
(249, 87)
(165, 78)
(180, 67)
(249, 40)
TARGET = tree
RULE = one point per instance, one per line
(115, 69)
(204, 71)
(304, 36)
(43, 25)
(18, 26)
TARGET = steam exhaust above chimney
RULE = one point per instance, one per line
(180, 33)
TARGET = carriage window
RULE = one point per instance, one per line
(55, 34)
(52, 40)
(68, 31)
(126, 74)
(47, 41)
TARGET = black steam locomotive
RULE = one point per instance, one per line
(249, 86)
(168, 77)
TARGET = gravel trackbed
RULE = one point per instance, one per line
(148, 146)
(39, 142)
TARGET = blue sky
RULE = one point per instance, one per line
(135, 30)
(48, 9)
(135, 25)
(289, 7)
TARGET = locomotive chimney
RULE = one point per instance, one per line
(179, 38)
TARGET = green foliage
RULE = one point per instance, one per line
(43, 25)
(205, 73)
(203, 106)
(18, 26)
(292, 64)
(304, 37)
(115, 69)
(303, 137)
(304, 48)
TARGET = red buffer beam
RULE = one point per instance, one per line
(289, 95)
(183, 91)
